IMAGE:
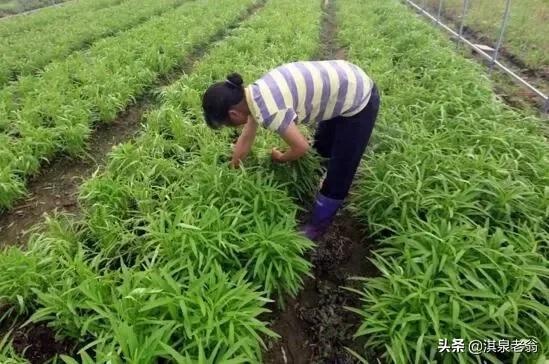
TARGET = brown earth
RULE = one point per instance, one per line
(316, 327)
(37, 342)
(328, 33)
(56, 187)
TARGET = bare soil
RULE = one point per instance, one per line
(36, 342)
(316, 327)
(55, 188)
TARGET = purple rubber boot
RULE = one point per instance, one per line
(324, 211)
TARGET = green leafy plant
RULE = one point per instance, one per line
(7, 352)
(49, 15)
(27, 52)
(456, 193)
(53, 111)
(175, 255)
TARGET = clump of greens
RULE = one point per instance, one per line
(53, 112)
(8, 354)
(175, 255)
(456, 191)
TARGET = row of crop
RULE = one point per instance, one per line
(176, 254)
(457, 191)
(524, 35)
(11, 7)
(53, 112)
(17, 24)
(26, 53)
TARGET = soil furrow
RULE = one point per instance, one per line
(56, 187)
(328, 42)
(315, 327)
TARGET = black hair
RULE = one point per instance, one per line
(220, 97)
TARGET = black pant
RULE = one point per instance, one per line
(343, 141)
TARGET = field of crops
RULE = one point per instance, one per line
(10, 7)
(526, 35)
(459, 184)
(54, 111)
(148, 227)
(27, 52)
(173, 257)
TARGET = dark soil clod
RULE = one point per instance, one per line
(38, 343)
(316, 327)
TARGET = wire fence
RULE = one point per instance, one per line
(492, 55)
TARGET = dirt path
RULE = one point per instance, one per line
(328, 33)
(56, 187)
(315, 327)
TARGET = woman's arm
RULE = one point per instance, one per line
(244, 143)
(297, 142)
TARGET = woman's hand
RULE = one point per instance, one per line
(277, 156)
(298, 144)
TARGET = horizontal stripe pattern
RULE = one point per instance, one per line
(308, 92)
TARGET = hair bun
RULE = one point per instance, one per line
(235, 80)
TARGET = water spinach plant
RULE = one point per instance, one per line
(53, 15)
(175, 254)
(27, 52)
(456, 191)
(53, 112)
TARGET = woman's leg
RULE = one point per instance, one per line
(324, 138)
(350, 138)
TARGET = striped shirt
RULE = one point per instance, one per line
(308, 92)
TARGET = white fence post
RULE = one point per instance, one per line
(463, 15)
(501, 32)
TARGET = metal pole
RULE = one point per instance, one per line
(463, 14)
(504, 68)
(440, 4)
(501, 32)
